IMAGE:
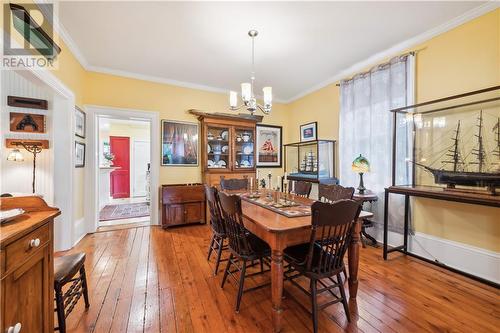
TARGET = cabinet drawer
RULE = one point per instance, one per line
(20, 250)
(181, 194)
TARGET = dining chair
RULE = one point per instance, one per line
(217, 225)
(244, 247)
(323, 257)
(300, 188)
(332, 193)
(233, 184)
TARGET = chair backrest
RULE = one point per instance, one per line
(216, 222)
(300, 188)
(332, 226)
(332, 193)
(233, 223)
(233, 184)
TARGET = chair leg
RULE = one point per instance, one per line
(240, 288)
(345, 274)
(61, 319)
(261, 265)
(314, 303)
(226, 271)
(344, 299)
(219, 253)
(211, 247)
(85, 289)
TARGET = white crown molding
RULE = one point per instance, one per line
(380, 56)
(400, 47)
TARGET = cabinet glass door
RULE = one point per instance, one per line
(244, 148)
(218, 147)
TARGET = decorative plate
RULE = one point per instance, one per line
(211, 163)
(225, 135)
(245, 164)
(225, 149)
(8, 215)
(222, 164)
(248, 150)
(209, 149)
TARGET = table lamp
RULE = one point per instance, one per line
(361, 166)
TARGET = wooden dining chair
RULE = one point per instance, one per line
(233, 184)
(217, 225)
(323, 257)
(332, 193)
(244, 247)
(300, 188)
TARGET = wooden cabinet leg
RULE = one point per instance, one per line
(277, 287)
(353, 254)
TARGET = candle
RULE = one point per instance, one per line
(293, 187)
(278, 182)
(251, 184)
(286, 177)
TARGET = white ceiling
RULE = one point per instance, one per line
(300, 44)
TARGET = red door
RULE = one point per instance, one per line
(120, 178)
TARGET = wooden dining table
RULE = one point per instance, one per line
(280, 232)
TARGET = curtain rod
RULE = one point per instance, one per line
(414, 52)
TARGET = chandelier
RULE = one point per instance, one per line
(247, 92)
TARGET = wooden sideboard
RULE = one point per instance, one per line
(182, 204)
(27, 267)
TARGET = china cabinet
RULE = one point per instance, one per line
(227, 146)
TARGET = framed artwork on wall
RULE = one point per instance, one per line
(79, 154)
(309, 132)
(179, 143)
(269, 145)
(80, 123)
(27, 122)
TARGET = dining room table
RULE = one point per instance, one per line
(280, 228)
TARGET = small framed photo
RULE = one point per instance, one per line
(179, 143)
(309, 132)
(80, 123)
(269, 146)
(79, 154)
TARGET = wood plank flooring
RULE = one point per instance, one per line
(145, 279)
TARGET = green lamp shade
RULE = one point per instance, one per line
(360, 164)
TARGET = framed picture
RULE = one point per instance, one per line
(80, 123)
(309, 132)
(79, 154)
(179, 143)
(27, 122)
(269, 145)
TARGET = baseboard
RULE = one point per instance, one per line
(79, 231)
(470, 259)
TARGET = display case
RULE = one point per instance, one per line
(453, 142)
(228, 146)
(312, 161)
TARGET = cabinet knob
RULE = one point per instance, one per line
(14, 329)
(35, 242)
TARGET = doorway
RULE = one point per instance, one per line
(124, 170)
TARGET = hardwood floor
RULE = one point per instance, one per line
(146, 279)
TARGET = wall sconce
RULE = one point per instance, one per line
(32, 146)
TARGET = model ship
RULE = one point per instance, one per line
(486, 175)
(309, 163)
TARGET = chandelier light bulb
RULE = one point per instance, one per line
(246, 91)
(268, 95)
(233, 99)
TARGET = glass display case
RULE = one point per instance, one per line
(312, 161)
(452, 142)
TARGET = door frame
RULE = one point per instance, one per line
(91, 191)
(132, 166)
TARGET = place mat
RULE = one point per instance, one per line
(297, 210)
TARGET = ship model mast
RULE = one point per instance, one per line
(455, 153)
(479, 151)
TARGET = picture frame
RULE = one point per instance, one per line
(79, 154)
(80, 123)
(309, 132)
(269, 143)
(27, 122)
(179, 143)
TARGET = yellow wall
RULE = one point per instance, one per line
(462, 59)
(171, 102)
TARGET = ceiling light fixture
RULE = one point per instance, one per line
(247, 92)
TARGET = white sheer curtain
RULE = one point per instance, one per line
(366, 128)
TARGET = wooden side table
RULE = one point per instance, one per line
(370, 197)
